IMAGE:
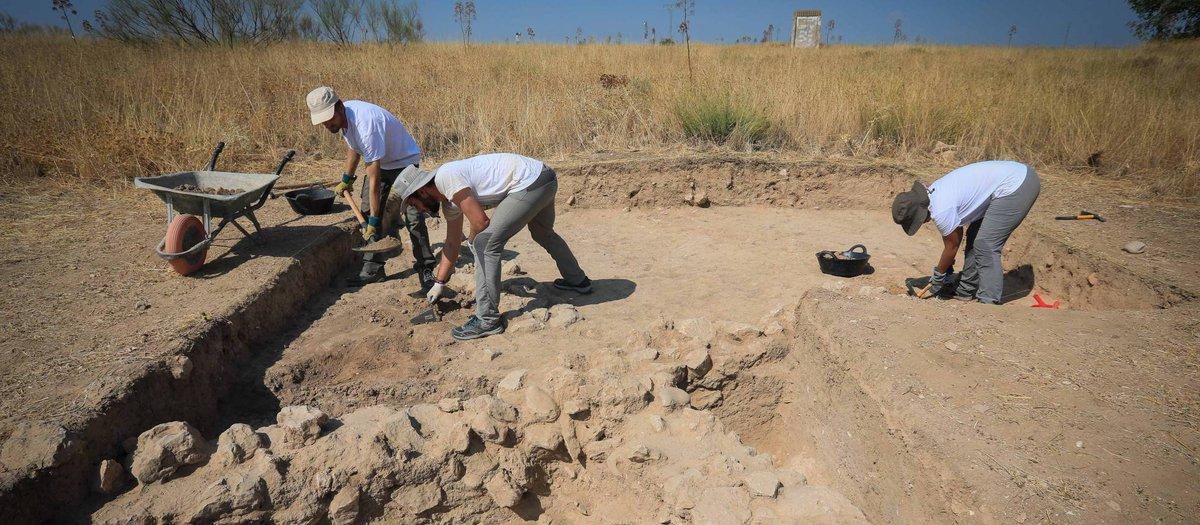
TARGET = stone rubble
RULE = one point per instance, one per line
(641, 424)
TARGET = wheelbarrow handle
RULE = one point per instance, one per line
(212, 161)
(287, 157)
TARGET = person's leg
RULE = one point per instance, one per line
(373, 262)
(1002, 217)
(418, 235)
(541, 228)
(512, 214)
(968, 279)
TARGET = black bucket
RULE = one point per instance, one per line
(850, 263)
(310, 201)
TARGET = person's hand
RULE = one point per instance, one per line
(347, 184)
(369, 232)
(435, 291)
(938, 282)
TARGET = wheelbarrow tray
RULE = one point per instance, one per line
(250, 185)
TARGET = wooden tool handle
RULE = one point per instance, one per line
(354, 206)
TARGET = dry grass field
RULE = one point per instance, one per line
(105, 111)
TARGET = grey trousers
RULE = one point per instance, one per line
(982, 276)
(534, 207)
(418, 234)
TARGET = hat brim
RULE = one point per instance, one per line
(913, 224)
(415, 183)
(323, 116)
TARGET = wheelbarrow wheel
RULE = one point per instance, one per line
(184, 232)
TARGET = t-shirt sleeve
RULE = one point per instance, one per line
(945, 219)
(450, 182)
(372, 139)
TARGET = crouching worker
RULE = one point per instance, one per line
(991, 199)
(522, 192)
(383, 143)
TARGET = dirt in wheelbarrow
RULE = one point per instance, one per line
(207, 191)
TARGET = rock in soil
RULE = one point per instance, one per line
(1134, 247)
(164, 449)
(110, 477)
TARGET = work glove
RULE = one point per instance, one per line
(346, 184)
(369, 232)
(435, 291)
(938, 282)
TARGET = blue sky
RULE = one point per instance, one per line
(1045, 22)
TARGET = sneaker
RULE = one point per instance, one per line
(360, 280)
(584, 287)
(475, 329)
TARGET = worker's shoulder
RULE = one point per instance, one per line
(364, 109)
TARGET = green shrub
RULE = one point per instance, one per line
(720, 118)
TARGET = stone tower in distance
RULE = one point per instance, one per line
(806, 28)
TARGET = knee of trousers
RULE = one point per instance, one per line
(483, 244)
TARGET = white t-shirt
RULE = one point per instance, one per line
(961, 196)
(376, 134)
(491, 176)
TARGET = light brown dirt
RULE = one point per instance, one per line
(994, 436)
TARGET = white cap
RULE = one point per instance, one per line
(321, 102)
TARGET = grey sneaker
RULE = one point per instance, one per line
(475, 329)
(584, 287)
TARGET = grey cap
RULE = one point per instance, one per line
(911, 208)
(410, 180)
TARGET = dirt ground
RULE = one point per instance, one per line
(913, 411)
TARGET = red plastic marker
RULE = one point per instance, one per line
(1040, 303)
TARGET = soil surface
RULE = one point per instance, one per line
(912, 410)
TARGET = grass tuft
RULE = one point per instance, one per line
(720, 118)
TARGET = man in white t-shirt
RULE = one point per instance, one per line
(990, 198)
(383, 143)
(521, 191)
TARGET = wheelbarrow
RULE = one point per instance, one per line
(194, 198)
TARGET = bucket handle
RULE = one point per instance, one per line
(827, 254)
(864, 248)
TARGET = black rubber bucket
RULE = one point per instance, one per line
(850, 263)
(310, 201)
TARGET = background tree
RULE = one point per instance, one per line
(1012, 30)
(898, 33)
(832, 24)
(529, 31)
(688, 8)
(396, 23)
(768, 33)
(66, 10)
(464, 14)
(1166, 19)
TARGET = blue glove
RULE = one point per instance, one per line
(346, 184)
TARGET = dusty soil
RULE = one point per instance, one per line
(914, 411)
(209, 191)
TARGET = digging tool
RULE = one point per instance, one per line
(1083, 215)
(428, 315)
(1038, 302)
(354, 207)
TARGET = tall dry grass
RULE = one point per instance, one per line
(99, 110)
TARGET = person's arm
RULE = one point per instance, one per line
(472, 210)
(950, 244)
(373, 175)
(450, 250)
(351, 161)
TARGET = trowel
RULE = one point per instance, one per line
(428, 315)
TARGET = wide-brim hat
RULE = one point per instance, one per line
(409, 181)
(911, 209)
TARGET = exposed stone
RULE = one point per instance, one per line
(236, 444)
(485, 427)
(545, 437)
(450, 404)
(490, 354)
(657, 423)
(181, 366)
(1134, 247)
(162, 450)
(344, 508)
(563, 315)
(671, 397)
(643, 454)
(502, 490)
(703, 399)
(1093, 279)
(762, 483)
(576, 408)
(539, 406)
(301, 423)
(36, 446)
(110, 477)
(699, 329)
(698, 362)
(526, 325)
(231, 496)
(773, 328)
(540, 314)
(418, 498)
(742, 331)
(513, 381)
(648, 354)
